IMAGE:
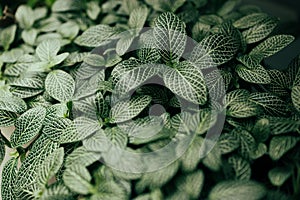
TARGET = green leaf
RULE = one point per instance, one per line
(280, 125)
(186, 81)
(171, 5)
(251, 61)
(48, 49)
(279, 83)
(96, 36)
(136, 76)
(29, 36)
(210, 19)
(138, 18)
(97, 142)
(2, 149)
(82, 157)
(93, 9)
(57, 192)
(9, 173)
(69, 30)
(28, 125)
(260, 31)
(66, 5)
(191, 184)
(7, 118)
(296, 97)
(241, 167)
(259, 152)
(124, 43)
(243, 109)
(213, 160)
(127, 109)
(247, 190)
(293, 72)
(24, 16)
(60, 85)
(227, 7)
(279, 175)
(236, 96)
(170, 36)
(228, 142)
(272, 45)
(279, 145)
(158, 178)
(272, 104)
(78, 179)
(261, 130)
(258, 75)
(50, 167)
(247, 142)
(94, 60)
(213, 51)
(250, 20)
(26, 180)
(7, 36)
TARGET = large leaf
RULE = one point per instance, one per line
(78, 178)
(258, 75)
(28, 125)
(48, 49)
(247, 190)
(50, 167)
(9, 173)
(170, 36)
(250, 20)
(128, 109)
(272, 45)
(186, 81)
(82, 156)
(272, 104)
(260, 31)
(279, 145)
(60, 85)
(213, 51)
(96, 36)
(138, 18)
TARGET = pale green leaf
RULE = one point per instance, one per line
(213, 160)
(98, 142)
(138, 18)
(48, 49)
(213, 51)
(24, 16)
(246, 190)
(60, 85)
(68, 30)
(186, 81)
(9, 173)
(251, 61)
(29, 36)
(279, 145)
(7, 36)
(124, 43)
(57, 192)
(93, 9)
(169, 33)
(260, 31)
(78, 179)
(28, 125)
(94, 60)
(279, 175)
(128, 109)
(82, 157)
(210, 19)
(258, 75)
(50, 167)
(227, 7)
(66, 5)
(96, 36)
(272, 45)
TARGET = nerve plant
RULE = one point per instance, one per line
(80, 83)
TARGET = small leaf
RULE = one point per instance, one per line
(50, 167)
(186, 81)
(138, 18)
(241, 167)
(124, 43)
(258, 75)
(68, 30)
(28, 126)
(96, 36)
(128, 109)
(227, 7)
(78, 179)
(48, 49)
(82, 157)
(66, 5)
(260, 31)
(228, 142)
(272, 45)
(226, 190)
(169, 33)
(94, 60)
(279, 175)
(279, 145)
(60, 85)
(93, 9)
(213, 51)
(7, 36)
(24, 16)
(236, 96)
(213, 160)
(296, 97)
(29, 36)
(250, 20)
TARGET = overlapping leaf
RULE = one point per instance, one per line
(257, 75)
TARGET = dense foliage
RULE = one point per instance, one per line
(87, 86)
